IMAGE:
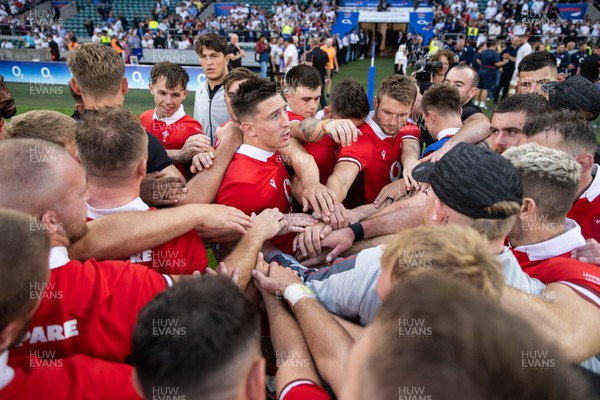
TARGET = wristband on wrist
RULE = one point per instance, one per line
(359, 232)
(297, 291)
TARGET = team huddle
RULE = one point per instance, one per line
(411, 249)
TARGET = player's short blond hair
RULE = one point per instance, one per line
(42, 124)
(457, 251)
(97, 69)
(111, 142)
(549, 176)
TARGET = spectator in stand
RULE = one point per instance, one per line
(590, 65)
(262, 50)
(562, 60)
(577, 58)
(234, 52)
(53, 50)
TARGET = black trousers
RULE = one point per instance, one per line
(504, 85)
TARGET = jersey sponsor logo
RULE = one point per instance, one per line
(287, 189)
(383, 153)
(395, 171)
(144, 256)
(272, 183)
(52, 333)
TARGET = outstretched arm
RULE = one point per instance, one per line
(121, 235)
(294, 361)
(328, 341)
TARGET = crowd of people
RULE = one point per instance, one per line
(414, 247)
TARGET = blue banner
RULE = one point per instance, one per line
(345, 23)
(222, 9)
(574, 12)
(375, 3)
(57, 73)
(422, 23)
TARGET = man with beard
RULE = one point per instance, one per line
(92, 306)
(25, 278)
(7, 104)
(510, 117)
(41, 179)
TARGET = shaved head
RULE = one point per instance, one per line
(28, 174)
(41, 179)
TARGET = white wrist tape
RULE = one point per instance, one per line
(294, 293)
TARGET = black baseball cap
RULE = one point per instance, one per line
(469, 179)
(576, 93)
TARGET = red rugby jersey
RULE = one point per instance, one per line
(256, 180)
(89, 308)
(76, 377)
(560, 246)
(180, 256)
(582, 277)
(173, 131)
(377, 156)
(586, 209)
(550, 262)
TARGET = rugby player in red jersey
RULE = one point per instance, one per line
(111, 145)
(180, 134)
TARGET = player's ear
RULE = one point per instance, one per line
(124, 86)
(50, 221)
(8, 335)
(255, 381)
(439, 212)
(75, 86)
(76, 156)
(528, 209)
(137, 385)
(375, 103)
(185, 93)
(141, 167)
(586, 161)
(248, 129)
(560, 77)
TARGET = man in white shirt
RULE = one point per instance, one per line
(184, 44)
(353, 45)
(290, 55)
(524, 50)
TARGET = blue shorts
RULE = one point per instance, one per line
(488, 78)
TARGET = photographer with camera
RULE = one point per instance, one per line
(441, 61)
